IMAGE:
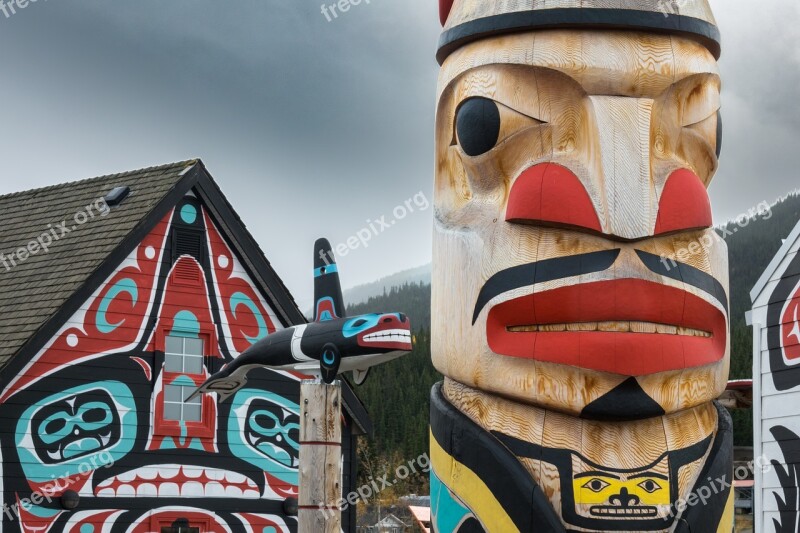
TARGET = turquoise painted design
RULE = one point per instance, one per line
(329, 269)
(87, 528)
(447, 513)
(66, 423)
(240, 298)
(86, 454)
(185, 324)
(169, 442)
(269, 529)
(361, 324)
(43, 512)
(123, 286)
(189, 214)
(183, 381)
(273, 459)
(328, 358)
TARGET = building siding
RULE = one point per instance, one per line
(776, 358)
(84, 413)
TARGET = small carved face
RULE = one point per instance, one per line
(574, 264)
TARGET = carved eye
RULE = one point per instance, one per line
(482, 124)
(478, 126)
(596, 485)
(650, 486)
(358, 323)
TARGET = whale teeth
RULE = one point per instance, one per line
(389, 335)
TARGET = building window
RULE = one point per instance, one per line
(183, 356)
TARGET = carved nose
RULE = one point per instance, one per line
(624, 499)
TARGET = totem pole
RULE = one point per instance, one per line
(580, 296)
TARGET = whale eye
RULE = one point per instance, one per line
(358, 323)
(478, 126)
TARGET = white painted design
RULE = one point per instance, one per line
(796, 329)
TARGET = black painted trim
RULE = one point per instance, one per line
(356, 409)
(687, 274)
(542, 272)
(622, 19)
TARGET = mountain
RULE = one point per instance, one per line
(396, 394)
(361, 293)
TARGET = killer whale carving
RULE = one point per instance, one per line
(330, 345)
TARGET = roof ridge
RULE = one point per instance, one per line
(187, 162)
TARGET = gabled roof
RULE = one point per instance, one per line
(39, 293)
(768, 274)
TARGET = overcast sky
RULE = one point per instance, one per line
(313, 127)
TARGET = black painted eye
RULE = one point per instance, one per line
(478, 126)
(719, 133)
(649, 485)
(596, 485)
(358, 323)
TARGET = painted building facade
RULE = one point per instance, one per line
(95, 432)
(775, 318)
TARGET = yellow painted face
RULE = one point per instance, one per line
(612, 495)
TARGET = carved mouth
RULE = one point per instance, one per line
(612, 510)
(629, 327)
(176, 480)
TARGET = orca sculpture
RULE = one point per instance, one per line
(332, 344)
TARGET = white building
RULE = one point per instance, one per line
(775, 318)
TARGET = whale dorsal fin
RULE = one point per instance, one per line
(328, 301)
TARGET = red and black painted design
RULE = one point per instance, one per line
(86, 414)
(783, 329)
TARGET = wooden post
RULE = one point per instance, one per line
(320, 457)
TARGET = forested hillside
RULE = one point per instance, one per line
(396, 394)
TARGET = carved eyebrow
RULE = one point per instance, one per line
(596, 474)
(649, 474)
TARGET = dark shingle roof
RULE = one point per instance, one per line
(34, 289)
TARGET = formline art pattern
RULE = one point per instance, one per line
(104, 393)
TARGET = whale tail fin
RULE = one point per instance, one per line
(328, 301)
(224, 385)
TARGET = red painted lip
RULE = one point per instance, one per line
(628, 354)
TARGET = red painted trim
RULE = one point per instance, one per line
(445, 6)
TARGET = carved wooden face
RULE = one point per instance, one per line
(574, 264)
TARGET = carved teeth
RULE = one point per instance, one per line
(613, 327)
